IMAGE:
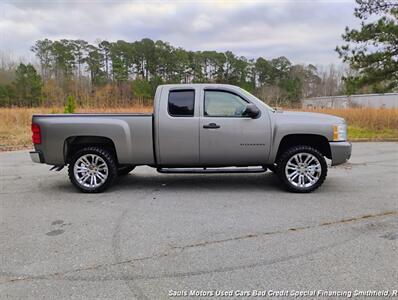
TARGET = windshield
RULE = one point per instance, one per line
(252, 96)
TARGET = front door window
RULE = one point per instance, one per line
(223, 104)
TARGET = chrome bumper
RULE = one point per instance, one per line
(35, 157)
(341, 152)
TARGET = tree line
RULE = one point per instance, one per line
(121, 73)
(159, 62)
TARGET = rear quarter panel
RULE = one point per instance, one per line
(131, 135)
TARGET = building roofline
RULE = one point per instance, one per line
(350, 96)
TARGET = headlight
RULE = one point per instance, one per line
(339, 132)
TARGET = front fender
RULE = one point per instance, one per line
(285, 130)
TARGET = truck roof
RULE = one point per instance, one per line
(202, 85)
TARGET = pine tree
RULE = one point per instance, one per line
(28, 86)
(373, 49)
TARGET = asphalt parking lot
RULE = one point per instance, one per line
(153, 234)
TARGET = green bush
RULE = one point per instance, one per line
(70, 106)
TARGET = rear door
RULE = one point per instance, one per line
(178, 127)
(227, 136)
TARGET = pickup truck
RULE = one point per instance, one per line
(194, 128)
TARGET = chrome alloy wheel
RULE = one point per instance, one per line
(303, 170)
(90, 170)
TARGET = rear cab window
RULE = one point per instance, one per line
(181, 103)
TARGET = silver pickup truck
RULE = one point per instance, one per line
(194, 128)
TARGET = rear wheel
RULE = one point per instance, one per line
(92, 169)
(302, 169)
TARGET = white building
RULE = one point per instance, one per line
(389, 100)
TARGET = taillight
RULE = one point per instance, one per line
(36, 136)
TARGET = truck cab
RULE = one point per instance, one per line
(214, 125)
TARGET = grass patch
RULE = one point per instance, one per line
(362, 134)
(367, 124)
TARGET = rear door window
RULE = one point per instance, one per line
(181, 103)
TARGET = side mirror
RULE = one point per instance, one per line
(252, 111)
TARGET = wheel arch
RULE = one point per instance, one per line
(75, 143)
(316, 141)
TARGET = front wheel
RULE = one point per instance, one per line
(302, 169)
(92, 169)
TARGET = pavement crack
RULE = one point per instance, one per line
(89, 268)
(261, 234)
(195, 245)
(117, 253)
(260, 263)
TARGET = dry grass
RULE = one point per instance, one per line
(15, 122)
(134, 109)
(367, 123)
(364, 123)
(375, 119)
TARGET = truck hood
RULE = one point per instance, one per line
(309, 117)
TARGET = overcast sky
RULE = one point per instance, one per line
(303, 31)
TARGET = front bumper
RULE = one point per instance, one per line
(341, 152)
(36, 157)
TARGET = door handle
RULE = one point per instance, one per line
(211, 126)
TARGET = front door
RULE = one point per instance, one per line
(227, 136)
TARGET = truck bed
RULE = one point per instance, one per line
(96, 115)
(131, 134)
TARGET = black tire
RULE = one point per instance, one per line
(122, 171)
(106, 156)
(289, 153)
